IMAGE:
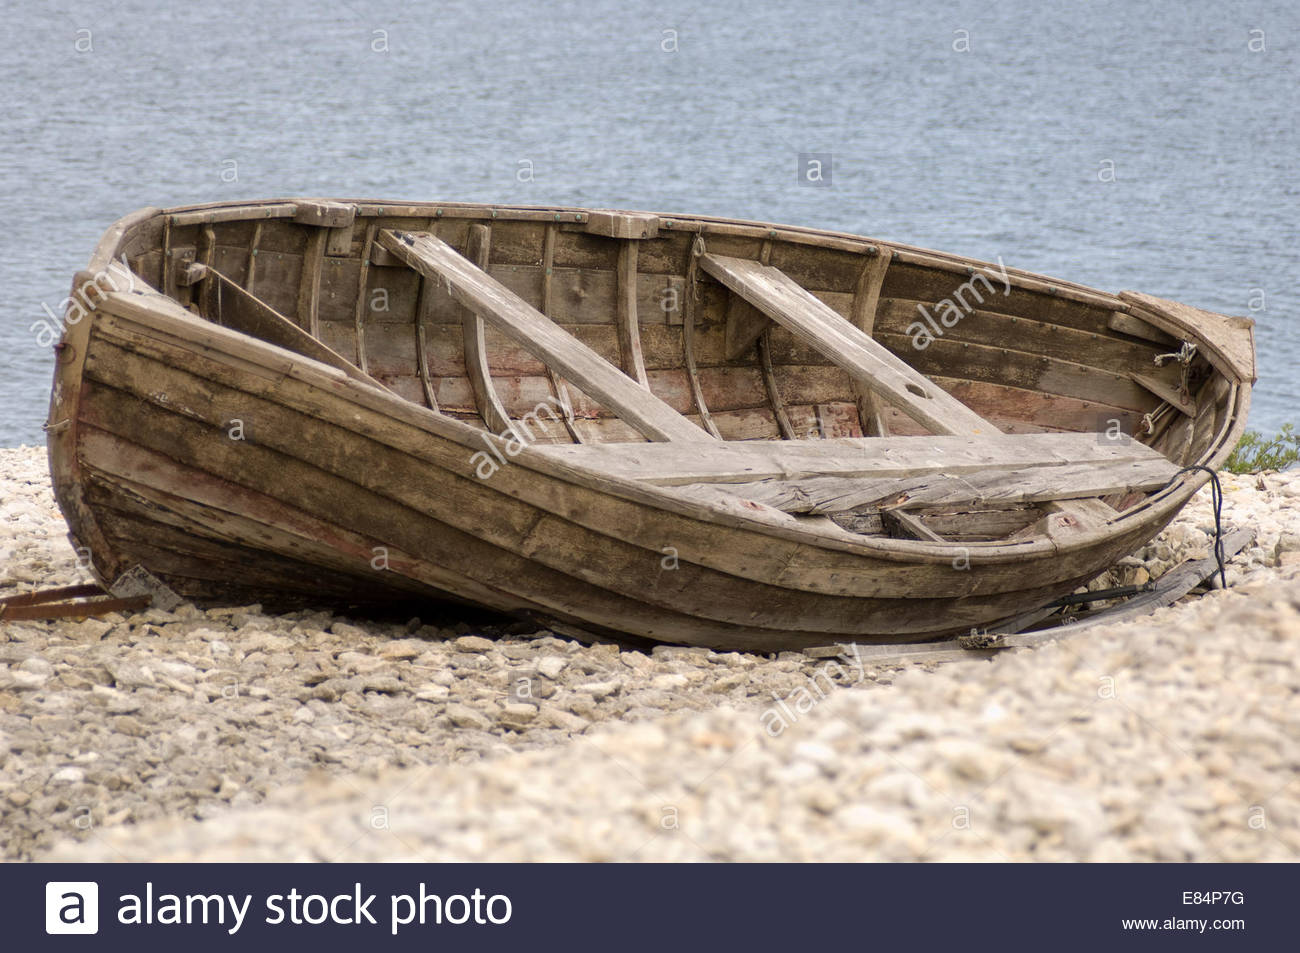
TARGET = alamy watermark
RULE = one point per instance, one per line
(953, 308)
(804, 698)
(519, 435)
(82, 301)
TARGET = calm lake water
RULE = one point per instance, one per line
(1125, 147)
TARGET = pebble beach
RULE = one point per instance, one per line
(233, 735)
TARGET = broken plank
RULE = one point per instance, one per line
(545, 340)
(992, 485)
(910, 526)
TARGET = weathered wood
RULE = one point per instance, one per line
(250, 272)
(1126, 323)
(1067, 519)
(785, 302)
(866, 301)
(559, 390)
(324, 214)
(515, 318)
(363, 302)
(629, 329)
(1229, 341)
(995, 483)
(877, 457)
(226, 303)
(1175, 398)
(626, 225)
(488, 402)
(910, 526)
(689, 309)
(745, 324)
(770, 386)
(309, 285)
(422, 348)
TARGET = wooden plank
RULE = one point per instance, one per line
(359, 314)
(309, 285)
(689, 309)
(862, 314)
(785, 302)
(910, 526)
(1136, 327)
(225, 303)
(770, 386)
(994, 485)
(745, 323)
(1229, 341)
(629, 330)
(515, 318)
(490, 408)
(251, 270)
(323, 213)
(1179, 400)
(877, 457)
(1066, 519)
(422, 347)
(558, 388)
(628, 225)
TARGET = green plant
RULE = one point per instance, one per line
(1255, 453)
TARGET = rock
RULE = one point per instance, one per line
(402, 649)
(68, 775)
(27, 681)
(669, 682)
(116, 702)
(462, 716)
(558, 718)
(385, 684)
(349, 633)
(551, 666)
(432, 693)
(517, 715)
(36, 666)
(473, 643)
(1288, 542)
(600, 690)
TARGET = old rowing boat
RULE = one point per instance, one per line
(692, 430)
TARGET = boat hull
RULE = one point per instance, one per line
(237, 472)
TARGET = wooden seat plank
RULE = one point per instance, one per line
(543, 338)
(786, 302)
(747, 461)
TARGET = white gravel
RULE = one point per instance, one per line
(233, 735)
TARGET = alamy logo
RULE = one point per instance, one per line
(72, 906)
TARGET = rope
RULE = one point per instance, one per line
(1217, 499)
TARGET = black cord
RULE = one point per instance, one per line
(1217, 499)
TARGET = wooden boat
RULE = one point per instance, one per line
(688, 429)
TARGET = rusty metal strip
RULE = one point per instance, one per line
(47, 604)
